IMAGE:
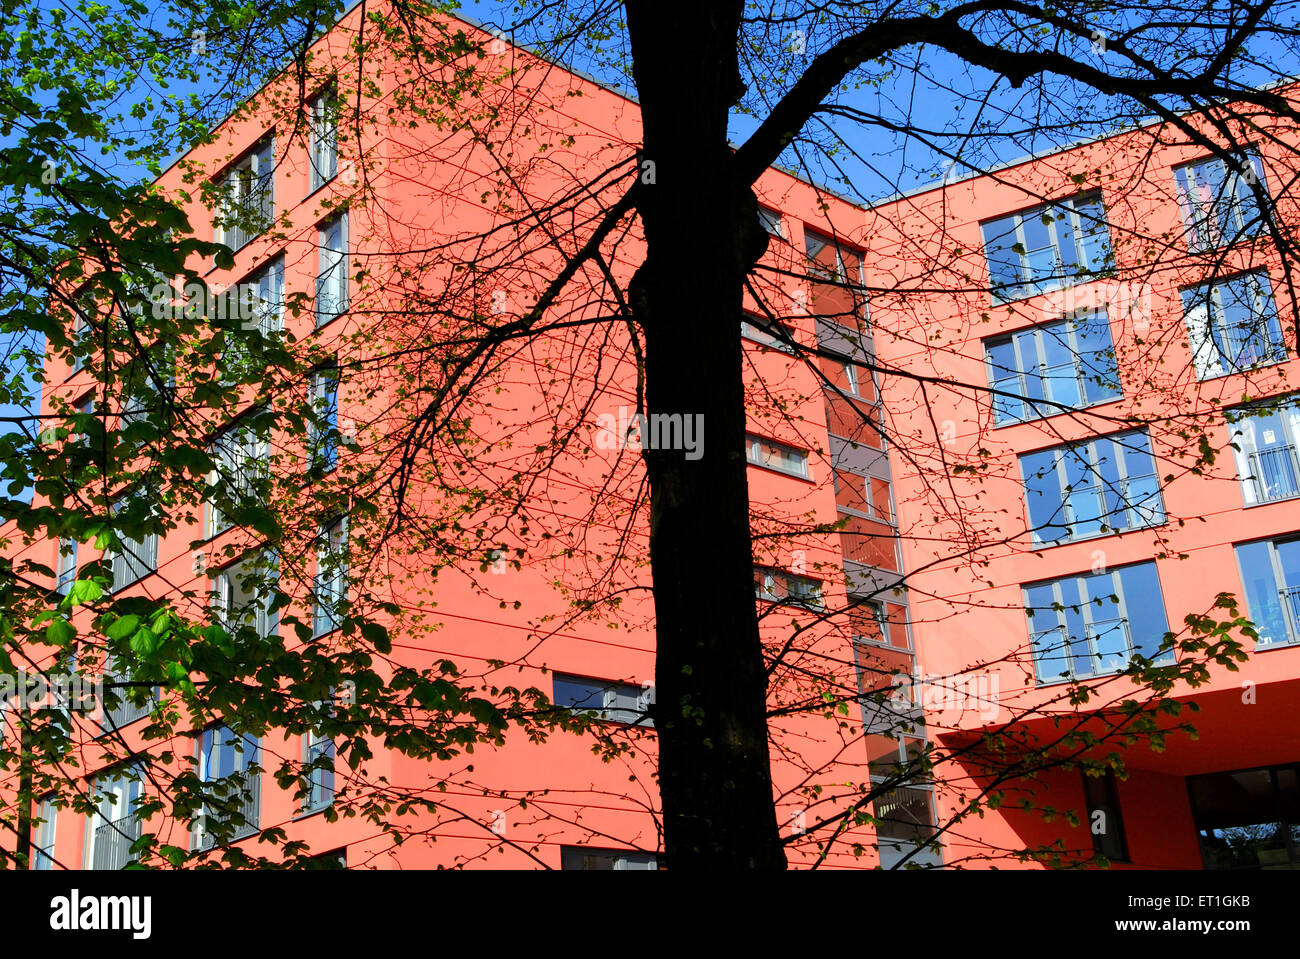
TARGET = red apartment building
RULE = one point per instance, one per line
(837, 442)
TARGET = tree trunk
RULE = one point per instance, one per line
(703, 237)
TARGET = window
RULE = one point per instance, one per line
(612, 702)
(261, 301)
(133, 559)
(1265, 442)
(242, 461)
(115, 824)
(1093, 624)
(772, 222)
(247, 206)
(226, 765)
(1249, 819)
(323, 426)
(126, 699)
(324, 138)
(1218, 200)
(332, 276)
(1105, 485)
(1046, 247)
(67, 567)
(904, 806)
(43, 835)
(1101, 793)
(318, 770)
(148, 388)
(586, 858)
(778, 586)
(331, 587)
(1232, 325)
(770, 333)
(836, 277)
(242, 595)
(1048, 369)
(1270, 571)
(776, 456)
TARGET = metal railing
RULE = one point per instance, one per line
(1274, 473)
(125, 711)
(250, 809)
(113, 843)
(1291, 613)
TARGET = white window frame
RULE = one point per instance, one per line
(332, 294)
(324, 151)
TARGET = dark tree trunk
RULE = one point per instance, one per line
(703, 237)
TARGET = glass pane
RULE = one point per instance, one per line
(1263, 599)
(1043, 496)
(1145, 606)
(1003, 260)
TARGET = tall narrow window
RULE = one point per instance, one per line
(332, 276)
(1093, 624)
(67, 564)
(323, 425)
(331, 587)
(1052, 368)
(318, 770)
(1104, 485)
(836, 279)
(137, 553)
(242, 465)
(261, 318)
(1046, 247)
(247, 198)
(43, 839)
(324, 138)
(1218, 199)
(242, 594)
(226, 766)
(1232, 325)
(1104, 821)
(114, 826)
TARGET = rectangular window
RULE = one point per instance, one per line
(1248, 819)
(770, 333)
(226, 761)
(1101, 793)
(779, 586)
(261, 303)
(1094, 623)
(242, 467)
(247, 207)
(323, 426)
(1232, 325)
(776, 456)
(332, 275)
(586, 858)
(330, 592)
(43, 835)
(1265, 441)
(1218, 200)
(772, 222)
(1105, 485)
(612, 702)
(242, 595)
(126, 700)
(324, 138)
(1270, 572)
(318, 770)
(836, 278)
(1052, 368)
(134, 558)
(1048, 246)
(115, 826)
(904, 805)
(67, 567)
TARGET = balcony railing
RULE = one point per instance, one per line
(1275, 474)
(1291, 612)
(250, 809)
(113, 843)
(125, 712)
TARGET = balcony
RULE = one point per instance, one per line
(113, 842)
(1274, 473)
(250, 809)
(125, 712)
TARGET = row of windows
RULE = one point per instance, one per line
(1054, 244)
(223, 757)
(1232, 326)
